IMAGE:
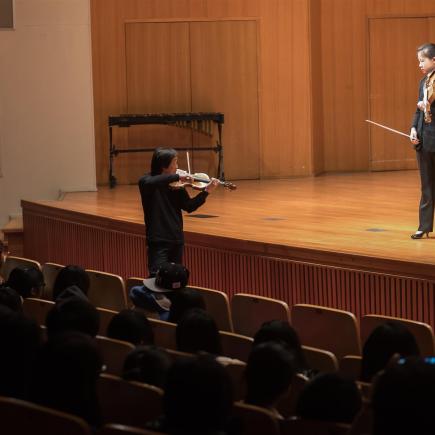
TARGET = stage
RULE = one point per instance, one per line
(338, 240)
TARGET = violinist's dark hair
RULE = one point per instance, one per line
(427, 49)
(162, 158)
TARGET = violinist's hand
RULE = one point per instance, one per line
(421, 105)
(413, 136)
(212, 185)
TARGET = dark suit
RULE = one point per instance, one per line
(426, 163)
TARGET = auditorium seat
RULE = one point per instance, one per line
(218, 306)
(50, 272)
(350, 367)
(105, 318)
(422, 332)
(164, 333)
(106, 290)
(12, 262)
(128, 402)
(235, 345)
(321, 360)
(37, 309)
(114, 353)
(132, 282)
(249, 312)
(119, 429)
(298, 426)
(255, 420)
(18, 417)
(327, 328)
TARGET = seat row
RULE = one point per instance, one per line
(332, 330)
(19, 417)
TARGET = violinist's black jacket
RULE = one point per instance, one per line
(162, 207)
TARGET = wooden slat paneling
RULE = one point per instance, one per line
(232, 271)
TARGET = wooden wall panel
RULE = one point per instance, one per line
(393, 91)
(344, 64)
(283, 72)
(344, 80)
(224, 79)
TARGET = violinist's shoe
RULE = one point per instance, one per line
(419, 234)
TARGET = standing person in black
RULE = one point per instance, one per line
(422, 135)
(162, 206)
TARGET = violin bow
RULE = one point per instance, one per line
(388, 128)
(188, 162)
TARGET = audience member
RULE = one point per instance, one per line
(20, 339)
(196, 332)
(385, 341)
(183, 301)
(198, 397)
(154, 296)
(66, 374)
(269, 373)
(281, 332)
(71, 275)
(329, 397)
(28, 281)
(147, 364)
(11, 299)
(131, 326)
(73, 314)
(403, 399)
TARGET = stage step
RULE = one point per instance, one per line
(12, 237)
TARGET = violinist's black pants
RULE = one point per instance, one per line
(162, 252)
(426, 164)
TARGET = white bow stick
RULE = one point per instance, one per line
(388, 128)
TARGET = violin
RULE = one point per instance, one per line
(199, 181)
(429, 97)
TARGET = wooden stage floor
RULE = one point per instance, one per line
(341, 241)
(367, 215)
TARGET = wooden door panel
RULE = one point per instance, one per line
(225, 79)
(158, 81)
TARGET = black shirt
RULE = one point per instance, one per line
(162, 207)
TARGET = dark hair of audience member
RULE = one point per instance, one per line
(197, 332)
(403, 400)
(11, 299)
(268, 374)
(385, 341)
(28, 281)
(68, 276)
(182, 301)
(281, 332)
(147, 364)
(73, 314)
(329, 397)
(198, 396)
(66, 374)
(131, 326)
(20, 339)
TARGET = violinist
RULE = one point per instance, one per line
(422, 136)
(162, 205)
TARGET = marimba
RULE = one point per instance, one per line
(202, 122)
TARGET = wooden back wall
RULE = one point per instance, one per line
(295, 78)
